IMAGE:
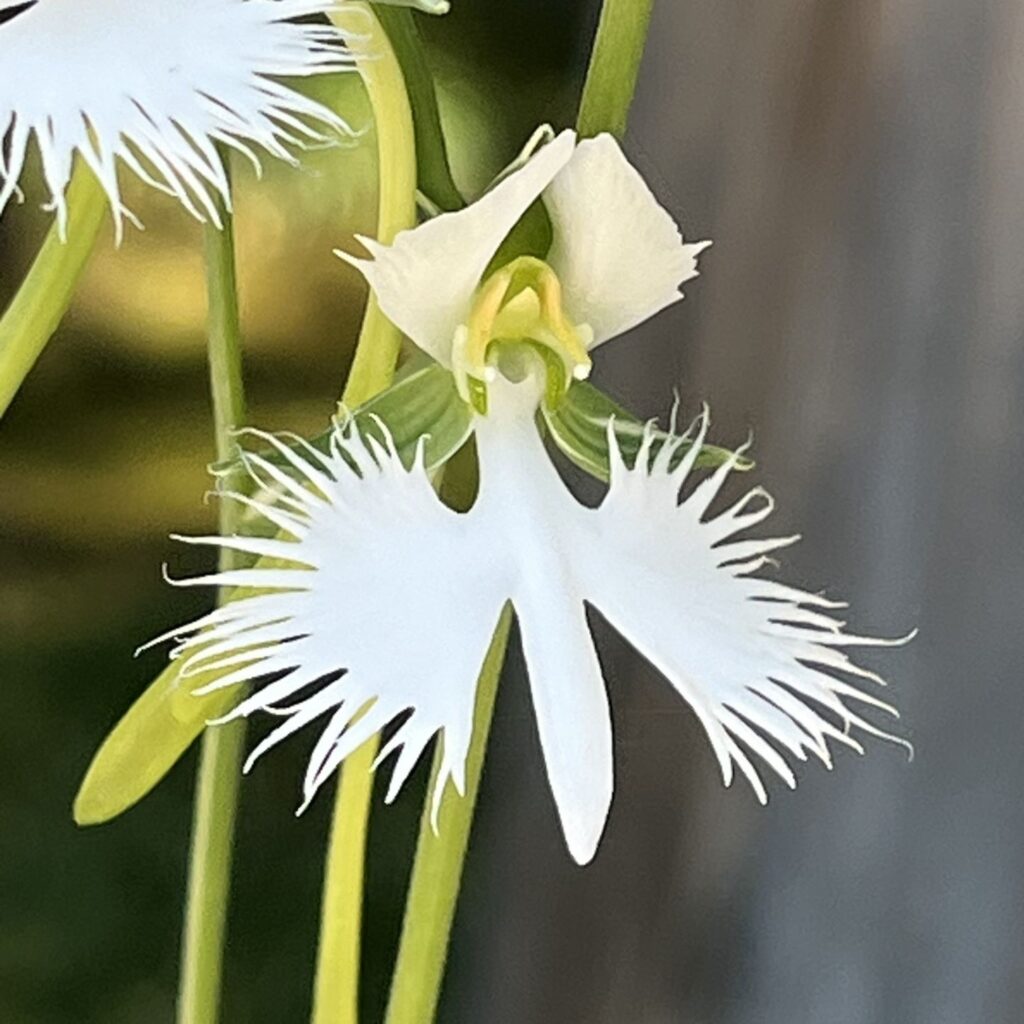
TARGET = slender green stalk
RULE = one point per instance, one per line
(336, 990)
(434, 172)
(220, 759)
(45, 294)
(209, 879)
(614, 67)
(437, 871)
(440, 856)
(380, 341)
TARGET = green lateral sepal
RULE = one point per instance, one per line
(579, 426)
(422, 404)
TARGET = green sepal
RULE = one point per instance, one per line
(422, 403)
(146, 744)
(579, 426)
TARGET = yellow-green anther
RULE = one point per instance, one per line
(469, 354)
(572, 341)
(520, 302)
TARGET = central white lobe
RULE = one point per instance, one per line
(530, 512)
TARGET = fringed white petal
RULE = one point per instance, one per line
(425, 280)
(156, 86)
(384, 602)
(618, 253)
(759, 662)
(376, 608)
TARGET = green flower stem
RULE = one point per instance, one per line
(434, 170)
(336, 990)
(614, 67)
(437, 871)
(380, 342)
(440, 856)
(209, 879)
(43, 299)
(220, 759)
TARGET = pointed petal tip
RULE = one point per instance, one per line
(582, 850)
(356, 262)
(150, 644)
(583, 838)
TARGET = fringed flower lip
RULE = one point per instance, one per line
(156, 86)
(387, 599)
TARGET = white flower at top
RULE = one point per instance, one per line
(155, 86)
(617, 256)
(382, 601)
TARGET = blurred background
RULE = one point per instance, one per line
(860, 167)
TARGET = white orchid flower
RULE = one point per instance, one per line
(155, 85)
(384, 600)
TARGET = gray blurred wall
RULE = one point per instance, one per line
(860, 167)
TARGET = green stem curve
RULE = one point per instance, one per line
(44, 296)
(434, 172)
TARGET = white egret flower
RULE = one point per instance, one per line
(155, 85)
(381, 601)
